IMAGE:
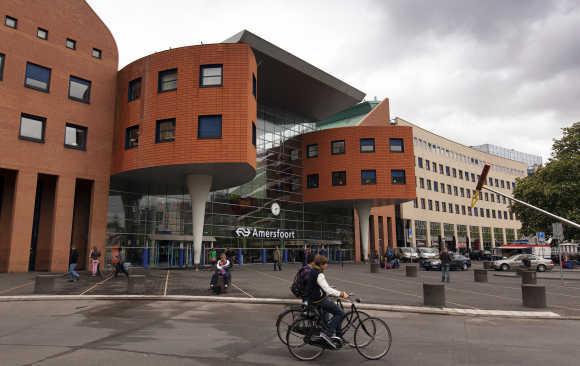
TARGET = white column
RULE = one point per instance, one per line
(364, 212)
(414, 233)
(428, 231)
(198, 187)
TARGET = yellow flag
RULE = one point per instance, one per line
(474, 199)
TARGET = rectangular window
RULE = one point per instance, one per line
(75, 137)
(462, 191)
(442, 187)
(475, 212)
(511, 215)
(398, 177)
(487, 212)
(368, 176)
(468, 193)
(312, 151)
(254, 134)
(32, 127)
(210, 75)
(420, 162)
(337, 147)
(71, 44)
(430, 204)
(493, 214)
(437, 206)
(504, 200)
(447, 171)
(449, 189)
(496, 182)
(37, 77)
(513, 185)
(454, 173)
(97, 53)
(463, 210)
(450, 207)
(2, 58)
(396, 145)
(415, 203)
(460, 174)
(254, 86)
(486, 196)
(472, 177)
(434, 167)
(167, 80)
(455, 190)
(490, 180)
(165, 131)
(505, 215)
(10, 22)
(367, 145)
(312, 181)
(443, 206)
(429, 184)
(481, 212)
(131, 137)
(441, 168)
(427, 164)
(209, 127)
(457, 209)
(435, 186)
(423, 203)
(502, 184)
(42, 33)
(422, 183)
(339, 178)
(79, 89)
(134, 89)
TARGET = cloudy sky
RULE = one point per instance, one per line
(497, 71)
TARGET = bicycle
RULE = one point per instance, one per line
(304, 343)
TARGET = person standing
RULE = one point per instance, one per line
(72, 264)
(212, 255)
(445, 264)
(277, 259)
(95, 257)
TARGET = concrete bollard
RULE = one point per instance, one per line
(374, 267)
(534, 296)
(411, 270)
(487, 265)
(434, 295)
(528, 277)
(44, 284)
(480, 275)
(136, 285)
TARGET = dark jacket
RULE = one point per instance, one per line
(74, 256)
(445, 258)
(313, 293)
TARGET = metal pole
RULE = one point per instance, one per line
(561, 269)
(535, 208)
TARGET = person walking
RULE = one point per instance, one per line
(95, 257)
(445, 258)
(277, 259)
(119, 261)
(72, 264)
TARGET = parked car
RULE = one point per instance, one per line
(407, 254)
(427, 253)
(458, 262)
(517, 261)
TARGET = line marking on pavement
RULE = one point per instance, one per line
(96, 284)
(166, 282)
(272, 276)
(236, 286)
(16, 287)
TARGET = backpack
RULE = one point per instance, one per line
(298, 287)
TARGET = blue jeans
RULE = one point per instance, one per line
(329, 307)
(445, 272)
(71, 270)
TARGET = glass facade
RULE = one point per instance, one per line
(156, 230)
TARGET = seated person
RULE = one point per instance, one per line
(222, 268)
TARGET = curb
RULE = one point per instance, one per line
(546, 315)
(514, 275)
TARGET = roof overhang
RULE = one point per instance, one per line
(292, 84)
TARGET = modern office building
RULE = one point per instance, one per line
(447, 173)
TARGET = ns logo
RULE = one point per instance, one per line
(243, 231)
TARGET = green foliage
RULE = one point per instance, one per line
(554, 188)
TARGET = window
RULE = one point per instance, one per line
(447, 171)
(337, 147)
(210, 75)
(475, 212)
(11, 22)
(493, 214)
(134, 89)
(435, 186)
(79, 89)
(443, 206)
(42, 33)
(434, 167)
(422, 183)
(32, 127)
(455, 190)
(415, 203)
(481, 212)
(255, 135)
(469, 213)
(472, 177)
(2, 58)
(457, 209)
(429, 184)
(75, 137)
(487, 212)
(486, 196)
(427, 164)
(496, 182)
(449, 189)
(423, 203)
(450, 207)
(454, 173)
(490, 180)
(165, 131)
(462, 191)
(368, 145)
(513, 185)
(511, 215)
(430, 204)
(368, 176)
(420, 162)
(437, 206)
(441, 168)
(397, 176)
(210, 127)
(71, 43)
(37, 77)
(502, 183)
(312, 151)
(167, 80)
(312, 181)
(468, 192)
(504, 200)
(254, 86)
(396, 145)
(463, 210)
(339, 178)
(97, 53)
(460, 174)
(442, 187)
(492, 198)
(131, 137)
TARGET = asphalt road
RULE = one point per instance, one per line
(183, 333)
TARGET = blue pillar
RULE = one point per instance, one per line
(181, 256)
(285, 256)
(145, 258)
(263, 255)
(240, 256)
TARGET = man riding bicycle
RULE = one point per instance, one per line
(317, 292)
(222, 269)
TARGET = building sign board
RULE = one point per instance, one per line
(255, 233)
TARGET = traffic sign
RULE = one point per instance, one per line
(541, 236)
(558, 231)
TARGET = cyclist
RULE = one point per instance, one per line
(317, 292)
(222, 268)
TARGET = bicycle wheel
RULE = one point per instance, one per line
(285, 319)
(298, 340)
(372, 338)
(349, 324)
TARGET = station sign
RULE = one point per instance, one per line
(255, 233)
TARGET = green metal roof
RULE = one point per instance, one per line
(349, 117)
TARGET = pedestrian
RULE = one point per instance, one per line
(95, 257)
(119, 262)
(445, 258)
(306, 254)
(212, 255)
(72, 264)
(277, 259)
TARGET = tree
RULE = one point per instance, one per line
(554, 187)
